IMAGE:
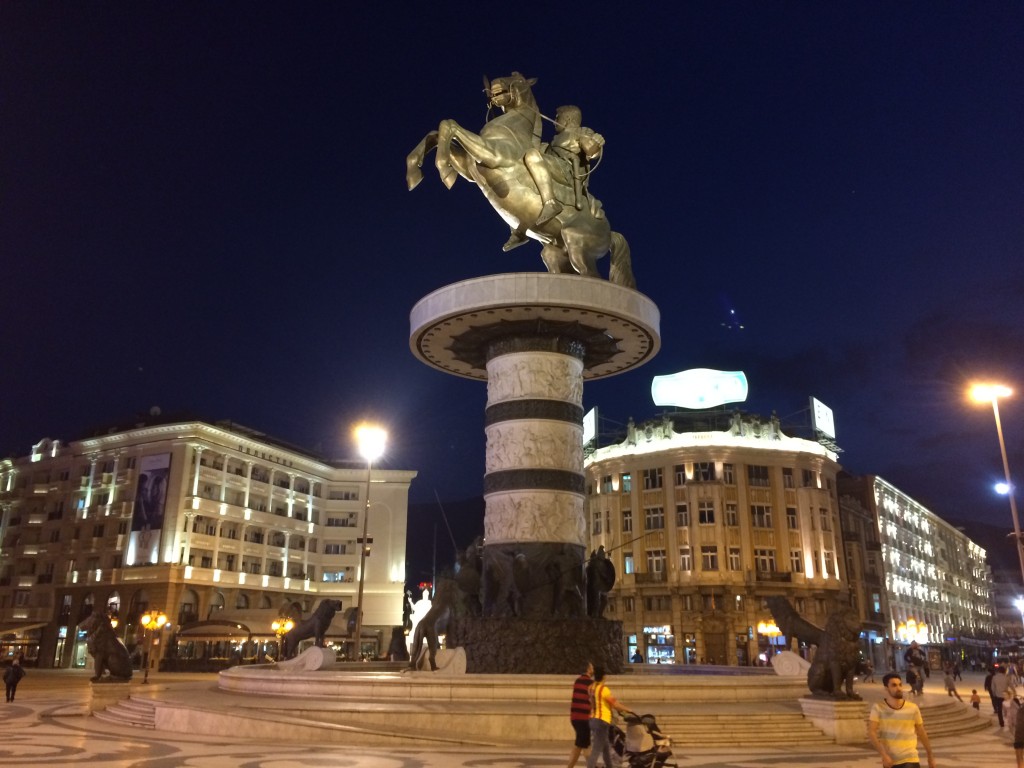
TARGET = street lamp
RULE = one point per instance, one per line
(1019, 602)
(150, 620)
(371, 440)
(281, 627)
(990, 393)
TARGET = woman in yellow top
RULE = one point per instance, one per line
(601, 705)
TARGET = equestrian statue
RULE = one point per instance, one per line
(540, 189)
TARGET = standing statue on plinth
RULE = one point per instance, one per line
(540, 190)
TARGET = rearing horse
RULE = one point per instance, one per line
(493, 160)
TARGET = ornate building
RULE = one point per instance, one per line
(937, 583)
(198, 521)
(703, 520)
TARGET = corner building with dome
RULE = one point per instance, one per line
(704, 516)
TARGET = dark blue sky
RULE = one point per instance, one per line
(203, 207)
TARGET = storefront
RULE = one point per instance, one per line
(661, 645)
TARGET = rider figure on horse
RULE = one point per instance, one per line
(573, 147)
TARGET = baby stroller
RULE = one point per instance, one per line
(645, 746)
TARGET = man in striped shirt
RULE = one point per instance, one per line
(579, 714)
(895, 727)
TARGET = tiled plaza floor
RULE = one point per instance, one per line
(41, 729)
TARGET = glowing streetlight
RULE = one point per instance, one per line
(371, 440)
(150, 620)
(281, 627)
(990, 393)
(1019, 602)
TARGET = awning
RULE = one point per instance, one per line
(214, 628)
(17, 627)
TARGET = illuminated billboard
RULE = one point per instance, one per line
(148, 512)
(590, 426)
(822, 419)
(699, 388)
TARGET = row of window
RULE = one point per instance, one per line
(654, 517)
(758, 475)
(704, 602)
(764, 560)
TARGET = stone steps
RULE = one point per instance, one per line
(133, 712)
(748, 729)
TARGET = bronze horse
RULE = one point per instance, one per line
(493, 160)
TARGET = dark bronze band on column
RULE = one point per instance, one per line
(533, 480)
(552, 410)
(562, 344)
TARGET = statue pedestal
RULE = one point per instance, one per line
(104, 695)
(845, 721)
(521, 646)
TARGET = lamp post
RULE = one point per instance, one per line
(281, 627)
(1019, 602)
(371, 441)
(990, 393)
(150, 619)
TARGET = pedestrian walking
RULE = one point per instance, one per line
(601, 705)
(12, 676)
(975, 699)
(895, 727)
(949, 683)
(579, 714)
(998, 689)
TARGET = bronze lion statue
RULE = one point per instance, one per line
(107, 650)
(314, 626)
(836, 661)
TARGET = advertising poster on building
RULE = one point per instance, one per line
(148, 514)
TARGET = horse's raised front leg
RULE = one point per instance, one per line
(414, 160)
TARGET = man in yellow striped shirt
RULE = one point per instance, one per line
(895, 727)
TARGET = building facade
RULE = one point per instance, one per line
(938, 585)
(200, 522)
(703, 524)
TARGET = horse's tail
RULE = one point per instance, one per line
(620, 271)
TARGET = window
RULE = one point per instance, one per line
(627, 562)
(709, 558)
(758, 476)
(808, 479)
(606, 484)
(685, 559)
(787, 478)
(729, 474)
(627, 521)
(596, 528)
(826, 519)
(658, 603)
(764, 560)
(796, 561)
(655, 560)
(734, 558)
(830, 563)
(335, 549)
(116, 561)
(706, 512)
(652, 479)
(97, 531)
(687, 602)
(761, 515)
(792, 521)
(703, 471)
(626, 482)
(682, 515)
(122, 527)
(680, 475)
(654, 518)
(628, 604)
(732, 516)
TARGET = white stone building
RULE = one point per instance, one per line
(704, 521)
(201, 522)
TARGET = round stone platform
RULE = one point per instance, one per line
(451, 327)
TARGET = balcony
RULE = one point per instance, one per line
(775, 576)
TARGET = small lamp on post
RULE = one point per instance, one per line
(150, 620)
(371, 440)
(281, 627)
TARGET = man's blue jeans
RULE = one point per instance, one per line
(599, 744)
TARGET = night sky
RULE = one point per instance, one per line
(203, 208)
